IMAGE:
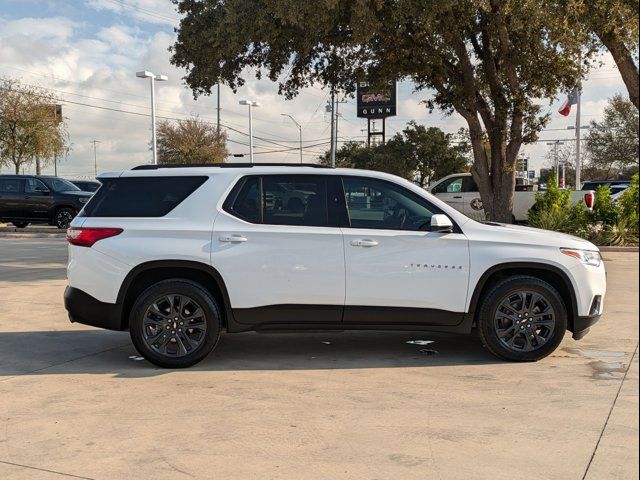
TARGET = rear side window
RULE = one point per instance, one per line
(141, 196)
(281, 200)
(11, 185)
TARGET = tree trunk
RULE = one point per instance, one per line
(37, 165)
(624, 60)
(17, 168)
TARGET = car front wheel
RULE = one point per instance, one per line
(522, 319)
(175, 323)
(63, 217)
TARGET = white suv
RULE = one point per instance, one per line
(177, 255)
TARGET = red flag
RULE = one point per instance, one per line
(572, 99)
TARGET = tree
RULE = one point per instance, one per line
(29, 126)
(612, 144)
(489, 61)
(190, 141)
(614, 23)
(418, 154)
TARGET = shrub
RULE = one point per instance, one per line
(609, 223)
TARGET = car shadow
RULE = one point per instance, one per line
(104, 352)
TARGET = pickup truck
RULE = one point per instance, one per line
(460, 191)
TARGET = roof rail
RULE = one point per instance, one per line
(226, 165)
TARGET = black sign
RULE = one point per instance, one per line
(376, 104)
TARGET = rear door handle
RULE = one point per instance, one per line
(457, 197)
(364, 243)
(232, 239)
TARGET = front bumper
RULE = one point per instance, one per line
(581, 324)
(85, 309)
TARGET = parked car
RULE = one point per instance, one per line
(461, 192)
(594, 184)
(87, 185)
(177, 255)
(26, 199)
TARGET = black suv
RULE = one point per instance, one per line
(28, 199)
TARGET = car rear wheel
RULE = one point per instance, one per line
(20, 224)
(175, 323)
(522, 319)
(63, 217)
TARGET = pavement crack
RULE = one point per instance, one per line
(606, 422)
(70, 475)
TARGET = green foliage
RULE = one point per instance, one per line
(190, 141)
(490, 62)
(629, 204)
(609, 223)
(418, 154)
(612, 144)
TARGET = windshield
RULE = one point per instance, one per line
(60, 185)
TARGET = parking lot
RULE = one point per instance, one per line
(78, 402)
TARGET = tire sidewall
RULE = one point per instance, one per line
(178, 287)
(491, 302)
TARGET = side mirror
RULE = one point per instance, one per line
(441, 223)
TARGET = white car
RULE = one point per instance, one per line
(178, 255)
(461, 192)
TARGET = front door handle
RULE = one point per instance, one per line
(364, 243)
(458, 197)
(232, 239)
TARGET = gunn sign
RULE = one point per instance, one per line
(376, 104)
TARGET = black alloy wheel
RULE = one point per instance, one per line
(522, 318)
(63, 218)
(175, 323)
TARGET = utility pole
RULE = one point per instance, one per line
(218, 108)
(299, 130)
(578, 159)
(95, 156)
(333, 149)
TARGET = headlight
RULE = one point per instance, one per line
(84, 200)
(588, 257)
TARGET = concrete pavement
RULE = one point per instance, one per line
(79, 402)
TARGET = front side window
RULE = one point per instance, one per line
(60, 185)
(453, 185)
(34, 185)
(378, 204)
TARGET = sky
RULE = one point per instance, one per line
(87, 53)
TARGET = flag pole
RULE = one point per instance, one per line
(578, 159)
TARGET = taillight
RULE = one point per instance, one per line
(588, 200)
(86, 237)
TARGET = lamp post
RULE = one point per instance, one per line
(299, 129)
(250, 104)
(555, 159)
(153, 78)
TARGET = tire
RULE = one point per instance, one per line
(20, 224)
(167, 347)
(63, 217)
(508, 332)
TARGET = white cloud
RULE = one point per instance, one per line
(99, 69)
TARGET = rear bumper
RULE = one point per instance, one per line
(85, 309)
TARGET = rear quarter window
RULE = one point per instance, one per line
(141, 196)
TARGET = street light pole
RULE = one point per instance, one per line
(153, 78)
(555, 159)
(95, 157)
(250, 104)
(299, 129)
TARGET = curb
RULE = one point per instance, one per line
(618, 249)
